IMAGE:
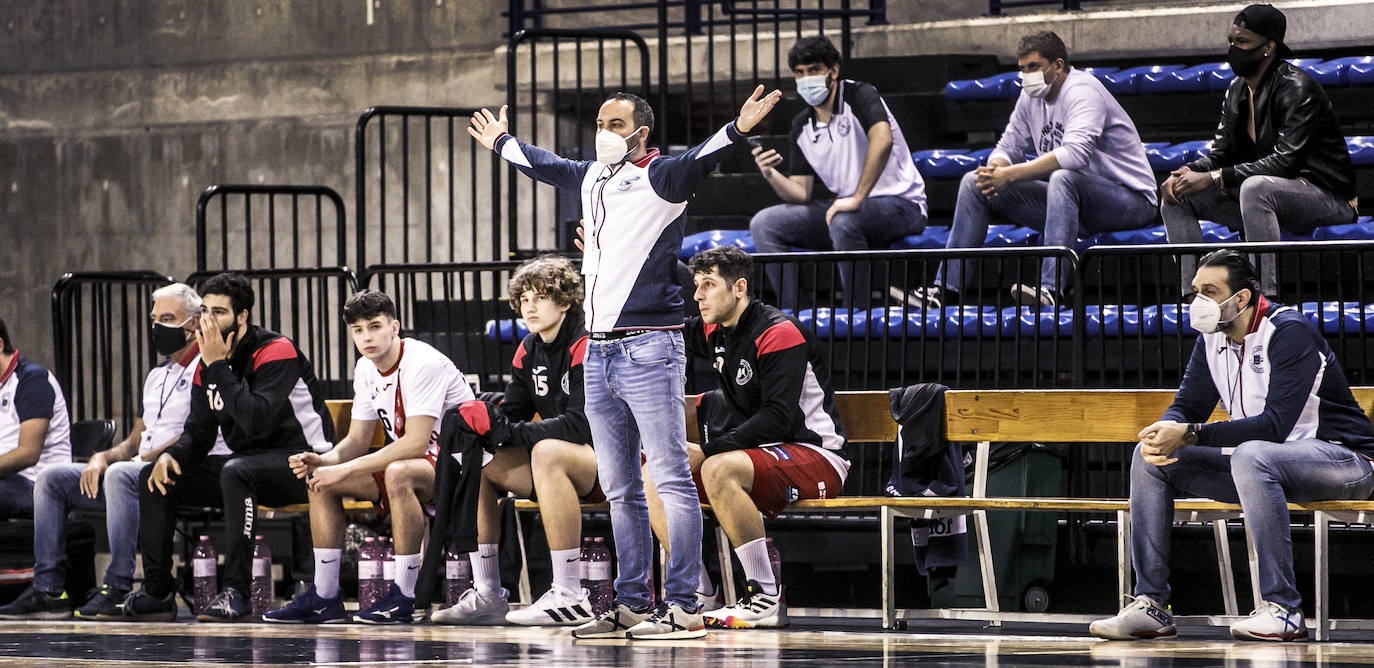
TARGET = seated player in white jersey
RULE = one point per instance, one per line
(408, 386)
(772, 433)
(550, 460)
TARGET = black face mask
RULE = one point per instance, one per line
(168, 339)
(1245, 62)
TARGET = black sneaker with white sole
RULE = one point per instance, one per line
(33, 603)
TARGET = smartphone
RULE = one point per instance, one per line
(756, 142)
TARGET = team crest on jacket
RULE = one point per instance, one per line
(744, 374)
(565, 383)
(628, 183)
(1257, 359)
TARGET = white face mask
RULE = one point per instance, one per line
(1204, 314)
(611, 148)
(814, 89)
(1033, 84)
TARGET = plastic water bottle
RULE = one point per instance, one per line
(262, 577)
(457, 576)
(206, 583)
(774, 560)
(369, 573)
(598, 575)
(388, 566)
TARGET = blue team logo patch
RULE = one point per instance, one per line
(1257, 359)
(628, 183)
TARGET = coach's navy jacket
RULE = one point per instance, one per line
(1281, 384)
(633, 213)
(264, 397)
(774, 380)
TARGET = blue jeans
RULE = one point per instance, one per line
(16, 497)
(634, 393)
(58, 492)
(1068, 206)
(877, 223)
(1264, 477)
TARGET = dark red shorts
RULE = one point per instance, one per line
(383, 501)
(786, 473)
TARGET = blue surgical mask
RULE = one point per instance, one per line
(814, 89)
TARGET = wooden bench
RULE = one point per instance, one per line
(340, 411)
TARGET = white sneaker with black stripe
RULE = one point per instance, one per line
(559, 606)
(669, 622)
(754, 610)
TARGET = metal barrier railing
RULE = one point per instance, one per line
(747, 23)
(449, 204)
(100, 323)
(284, 219)
(306, 305)
(571, 123)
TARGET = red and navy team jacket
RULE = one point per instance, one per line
(775, 382)
(546, 378)
(264, 397)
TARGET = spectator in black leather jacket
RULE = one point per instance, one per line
(1279, 159)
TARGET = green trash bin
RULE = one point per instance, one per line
(1023, 543)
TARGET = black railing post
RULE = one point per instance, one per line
(663, 74)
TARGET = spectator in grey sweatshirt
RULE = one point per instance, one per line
(1070, 164)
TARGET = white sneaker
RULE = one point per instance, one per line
(472, 609)
(1272, 622)
(931, 297)
(709, 602)
(559, 606)
(1141, 619)
(611, 624)
(754, 610)
(1030, 295)
(669, 622)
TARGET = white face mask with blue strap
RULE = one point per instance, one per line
(814, 89)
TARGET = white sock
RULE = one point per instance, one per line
(407, 572)
(327, 571)
(486, 571)
(704, 584)
(753, 555)
(567, 568)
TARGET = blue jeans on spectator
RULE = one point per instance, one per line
(1068, 206)
(1263, 207)
(877, 223)
(16, 497)
(634, 394)
(1264, 477)
(58, 492)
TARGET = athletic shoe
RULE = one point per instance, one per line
(140, 606)
(228, 606)
(1030, 295)
(754, 610)
(932, 298)
(102, 603)
(709, 602)
(473, 609)
(669, 622)
(611, 624)
(559, 606)
(35, 604)
(1142, 618)
(394, 608)
(309, 608)
(1272, 622)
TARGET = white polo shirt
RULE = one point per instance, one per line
(27, 392)
(167, 403)
(423, 382)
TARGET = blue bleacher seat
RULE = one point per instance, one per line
(1360, 230)
(1167, 319)
(981, 155)
(1336, 72)
(1161, 159)
(943, 163)
(1111, 320)
(1339, 317)
(1100, 72)
(839, 323)
(1216, 233)
(1360, 72)
(1308, 65)
(1045, 321)
(1129, 81)
(934, 236)
(996, 87)
(1169, 158)
(1361, 150)
(695, 243)
(1198, 79)
(1137, 237)
(506, 330)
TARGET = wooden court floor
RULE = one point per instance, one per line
(950, 644)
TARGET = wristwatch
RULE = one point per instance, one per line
(1190, 435)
